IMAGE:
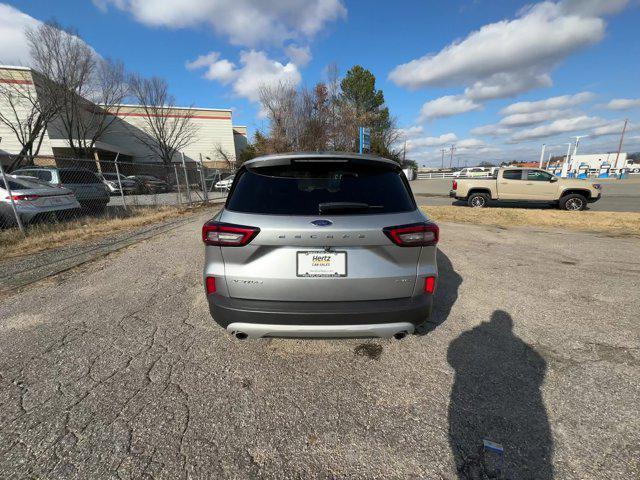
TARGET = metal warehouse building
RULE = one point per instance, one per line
(217, 142)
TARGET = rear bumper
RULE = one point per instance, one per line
(375, 330)
(452, 193)
(321, 319)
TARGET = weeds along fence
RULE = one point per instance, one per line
(53, 190)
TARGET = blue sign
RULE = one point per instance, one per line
(365, 139)
(322, 223)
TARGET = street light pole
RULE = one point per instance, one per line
(542, 155)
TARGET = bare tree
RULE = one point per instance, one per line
(26, 114)
(162, 131)
(86, 88)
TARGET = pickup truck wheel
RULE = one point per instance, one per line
(478, 200)
(573, 202)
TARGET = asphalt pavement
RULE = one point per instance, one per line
(115, 370)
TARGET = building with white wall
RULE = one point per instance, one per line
(216, 141)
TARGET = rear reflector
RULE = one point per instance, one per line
(414, 235)
(429, 284)
(227, 235)
(210, 283)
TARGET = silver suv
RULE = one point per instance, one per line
(320, 245)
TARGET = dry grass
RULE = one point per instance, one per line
(621, 223)
(48, 236)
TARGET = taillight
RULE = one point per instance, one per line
(455, 185)
(429, 284)
(227, 235)
(413, 235)
(210, 284)
(23, 197)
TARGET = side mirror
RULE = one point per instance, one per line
(553, 179)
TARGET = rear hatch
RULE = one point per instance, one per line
(323, 211)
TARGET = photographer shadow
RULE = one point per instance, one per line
(496, 396)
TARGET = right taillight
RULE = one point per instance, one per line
(455, 185)
(413, 235)
(429, 284)
(227, 234)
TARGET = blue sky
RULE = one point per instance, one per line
(454, 72)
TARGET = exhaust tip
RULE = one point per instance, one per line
(240, 335)
(400, 335)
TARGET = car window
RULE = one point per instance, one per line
(538, 176)
(300, 189)
(512, 174)
(44, 175)
(22, 184)
(78, 176)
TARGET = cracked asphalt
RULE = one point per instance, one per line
(115, 370)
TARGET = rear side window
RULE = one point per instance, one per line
(78, 176)
(512, 174)
(301, 190)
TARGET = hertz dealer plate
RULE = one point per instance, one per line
(321, 264)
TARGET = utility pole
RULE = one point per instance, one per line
(544, 145)
(624, 129)
(453, 148)
(442, 150)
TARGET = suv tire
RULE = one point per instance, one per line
(573, 202)
(478, 200)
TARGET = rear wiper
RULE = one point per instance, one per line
(333, 206)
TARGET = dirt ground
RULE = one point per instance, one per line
(116, 370)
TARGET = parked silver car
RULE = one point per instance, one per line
(32, 199)
(320, 245)
(88, 188)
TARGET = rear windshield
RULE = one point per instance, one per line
(312, 189)
(22, 184)
(78, 176)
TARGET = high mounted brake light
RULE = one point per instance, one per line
(413, 235)
(227, 234)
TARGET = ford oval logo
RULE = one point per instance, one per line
(322, 223)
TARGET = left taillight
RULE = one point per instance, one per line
(23, 197)
(227, 234)
(413, 235)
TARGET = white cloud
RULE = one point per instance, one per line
(255, 70)
(593, 7)
(445, 138)
(613, 128)
(14, 49)
(493, 130)
(301, 56)
(564, 125)
(526, 119)
(470, 143)
(552, 103)
(529, 45)
(507, 84)
(243, 22)
(446, 107)
(411, 131)
(623, 103)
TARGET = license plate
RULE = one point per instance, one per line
(321, 264)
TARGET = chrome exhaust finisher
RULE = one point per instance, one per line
(396, 330)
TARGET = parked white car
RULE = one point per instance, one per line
(32, 199)
(472, 172)
(225, 183)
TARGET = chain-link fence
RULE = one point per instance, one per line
(57, 189)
